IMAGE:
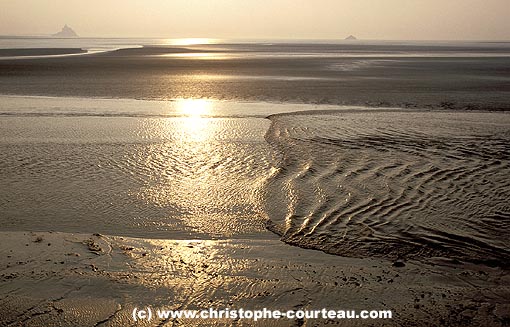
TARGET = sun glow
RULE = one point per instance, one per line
(195, 125)
(194, 108)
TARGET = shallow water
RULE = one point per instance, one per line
(181, 169)
(145, 177)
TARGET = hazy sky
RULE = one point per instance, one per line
(323, 19)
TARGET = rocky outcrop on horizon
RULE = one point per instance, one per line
(66, 32)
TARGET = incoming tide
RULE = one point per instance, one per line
(350, 181)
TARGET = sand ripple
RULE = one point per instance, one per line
(393, 184)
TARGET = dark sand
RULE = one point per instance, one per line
(38, 52)
(438, 77)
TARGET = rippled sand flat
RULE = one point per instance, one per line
(393, 184)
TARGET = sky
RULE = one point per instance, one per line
(264, 19)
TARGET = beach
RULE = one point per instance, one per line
(288, 176)
(84, 279)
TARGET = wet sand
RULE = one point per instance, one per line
(96, 280)
(394, 184)
(38, 52)
(432, 77)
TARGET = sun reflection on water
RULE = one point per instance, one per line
(195, 126)
(194, 108)
(200, 170)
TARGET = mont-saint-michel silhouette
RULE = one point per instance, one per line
(351, 38)
(66, 32)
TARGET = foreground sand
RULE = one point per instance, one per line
(57, 279)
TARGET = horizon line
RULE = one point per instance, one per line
(49, 36)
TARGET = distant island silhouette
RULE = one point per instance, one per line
(351, 37)
(66, 32)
